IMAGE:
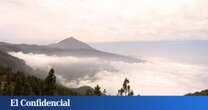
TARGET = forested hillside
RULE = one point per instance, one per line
(19, 83)
(8, 61)
(200, 93)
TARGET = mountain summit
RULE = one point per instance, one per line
(67, 47)
(71, 44)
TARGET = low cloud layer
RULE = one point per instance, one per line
(69, 67)
(155, 77)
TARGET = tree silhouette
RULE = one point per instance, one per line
(126, 89)
(50, 83)
(97, 91)
(19, 86)
(19, 83)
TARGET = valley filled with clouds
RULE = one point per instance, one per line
(156, 76)
(160, 45)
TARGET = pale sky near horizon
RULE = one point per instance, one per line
(47, 21)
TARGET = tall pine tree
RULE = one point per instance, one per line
(126, 89)
(97, 91)
(50, 83)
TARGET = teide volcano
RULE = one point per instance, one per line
(71, 44)
(67, 47)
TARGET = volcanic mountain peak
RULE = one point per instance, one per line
(68, 40)
(67, 47)
(71, 43)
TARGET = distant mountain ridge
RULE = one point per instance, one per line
(67, 47)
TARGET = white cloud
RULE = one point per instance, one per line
(157, 76)
(42, 60)
(44, 21)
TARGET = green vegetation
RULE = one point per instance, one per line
(201, 93)
(50, 83)
(18, 83)
(97, 91)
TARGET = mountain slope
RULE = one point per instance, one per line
(66, 47)
(200, 93)
(18, 84)
(71, 44)
(8, 61)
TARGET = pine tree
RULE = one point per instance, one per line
(19, 86)
(50, 83)
(120, 92)
(97, 91)
(126, 89)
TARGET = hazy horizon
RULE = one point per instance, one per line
(166, 39)
(104, 42)
(48, 21)
(171, 68)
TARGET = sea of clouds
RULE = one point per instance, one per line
(156, 76)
